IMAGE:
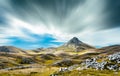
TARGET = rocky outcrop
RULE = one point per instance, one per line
(115, 57)
(92, 63)
(108, 62)
(112, 64)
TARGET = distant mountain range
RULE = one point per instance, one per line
(74, 52)
(73, 45)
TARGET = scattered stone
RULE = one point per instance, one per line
(113, 67)
(63, 69)
(73, 67)
(70, 68)
(115, 57)
(92, 63)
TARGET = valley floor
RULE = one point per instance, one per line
(62, 63)
(49, 71)
(40, 71)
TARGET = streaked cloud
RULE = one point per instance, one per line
(93, 21)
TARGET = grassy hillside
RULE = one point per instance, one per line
(49, 61)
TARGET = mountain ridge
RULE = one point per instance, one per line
(11, 49)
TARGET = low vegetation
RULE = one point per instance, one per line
(66, 60)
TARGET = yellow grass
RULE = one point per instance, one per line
(89, 72)
(43, 71)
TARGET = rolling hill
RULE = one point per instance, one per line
(11, 49)
(72, 53)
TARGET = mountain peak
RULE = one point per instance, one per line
(77, 45)
(74, 41)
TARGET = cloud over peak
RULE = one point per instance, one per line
(62, 19)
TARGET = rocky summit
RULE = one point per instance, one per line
(74, 41)
(77, 45)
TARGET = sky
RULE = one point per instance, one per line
(33, 24)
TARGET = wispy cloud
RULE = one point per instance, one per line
(31, 21)
(102, 38)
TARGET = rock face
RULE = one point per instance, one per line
(10, 49)
(77, 44)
